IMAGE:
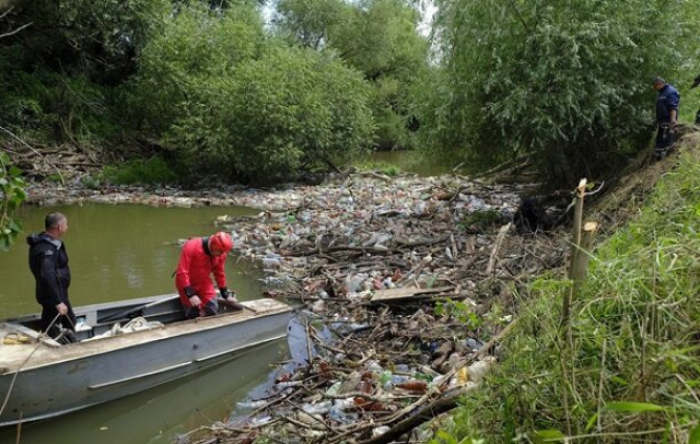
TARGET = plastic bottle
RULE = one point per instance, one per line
(473, 344)
(374, 367)
(398, 379)
(402, 368)
(413, 386)
(380, 431)
(343, 404)
(320, 408)
(478, 370)
(261, 420)
(337, 415)
(462, 376)
(333, 390)
(388, 283)
(250, 405)
(385, 379)
(355, 283)
(271, 262)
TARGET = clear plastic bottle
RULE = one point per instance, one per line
(336, 414)
(320, 408)
(251, 405)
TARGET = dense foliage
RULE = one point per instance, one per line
(380, 39)
(567, 83)
(287, 112)
(12, 194)
(61, 60)
(230, 101)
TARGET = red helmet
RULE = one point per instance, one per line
(221, 241)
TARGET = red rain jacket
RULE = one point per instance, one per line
(195, 268)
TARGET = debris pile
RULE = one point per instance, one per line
(410, 233)
(412, 284)
(350, 390)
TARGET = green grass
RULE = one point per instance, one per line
(631, 371)
(149, 172)
(380, 167)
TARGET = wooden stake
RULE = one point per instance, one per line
(578, 217)
(578, 221)
(580, 265)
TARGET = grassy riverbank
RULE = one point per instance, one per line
(630, 372)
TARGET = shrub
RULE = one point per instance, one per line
(290, 111)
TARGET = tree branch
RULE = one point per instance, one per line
(16, 30)
(520, 17)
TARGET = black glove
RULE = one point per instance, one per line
(696, 82)
(189, 291)
(226, 293)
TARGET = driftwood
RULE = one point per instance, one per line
(444, 403)
(383, 296)
(43, 158)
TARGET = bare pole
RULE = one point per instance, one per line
(575, 244)
(580, 265)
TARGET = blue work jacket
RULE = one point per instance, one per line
(667, 100)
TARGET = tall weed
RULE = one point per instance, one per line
(630, 370)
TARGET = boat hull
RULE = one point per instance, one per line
(57, 380)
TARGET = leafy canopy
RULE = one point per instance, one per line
(233, 102)
(565, 82)
(377, 37)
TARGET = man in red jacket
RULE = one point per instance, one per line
(200, 257)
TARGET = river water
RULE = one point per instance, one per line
(123, 252)
(117, 252)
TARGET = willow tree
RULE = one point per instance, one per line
(379, 38)
(567, 83)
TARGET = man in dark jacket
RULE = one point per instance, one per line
(48, 260)
(667, 103)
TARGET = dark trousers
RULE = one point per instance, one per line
(211, 308)
(665, 136)
(49, 312)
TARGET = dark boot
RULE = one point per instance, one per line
(660, 153)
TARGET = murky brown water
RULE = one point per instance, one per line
(117, 252)
(128, 251)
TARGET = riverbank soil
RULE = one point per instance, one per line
(409, 284)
